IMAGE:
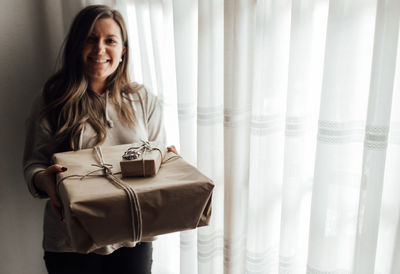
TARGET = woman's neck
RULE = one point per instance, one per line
(97, 86)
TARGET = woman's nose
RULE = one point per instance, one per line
(100, 47)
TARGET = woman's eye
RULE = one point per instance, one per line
(91, 39)
(111, 41)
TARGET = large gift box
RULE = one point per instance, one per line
(101, 207)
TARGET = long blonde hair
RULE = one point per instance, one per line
(69, 103)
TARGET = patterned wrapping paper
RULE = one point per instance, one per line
(97, 212)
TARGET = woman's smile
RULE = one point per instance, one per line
(98, 61)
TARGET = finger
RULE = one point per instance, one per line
(55, 168)
(55, 202)
(172, 149)
(52, 192)
(57, 208)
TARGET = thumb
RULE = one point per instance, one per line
(55, 168)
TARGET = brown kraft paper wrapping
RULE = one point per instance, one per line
(97, 213)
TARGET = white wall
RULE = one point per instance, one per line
(27, 58)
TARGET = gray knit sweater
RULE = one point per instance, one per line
(37, 155)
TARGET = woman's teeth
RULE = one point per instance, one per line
(100, 61)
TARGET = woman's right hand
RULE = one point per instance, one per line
(46, 181)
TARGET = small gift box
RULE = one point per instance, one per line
(103, 208)
(142, 159)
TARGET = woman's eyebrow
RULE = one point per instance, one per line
(107, 35)
(114, 36)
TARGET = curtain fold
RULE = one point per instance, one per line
(269, 84)
(389, 225)
(376, 135)
(185, 21)
(238, 49)
(301, 108)
(210, 134)
(337, 168)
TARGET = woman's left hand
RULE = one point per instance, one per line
(172, 149)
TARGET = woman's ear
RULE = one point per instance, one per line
(122, 55)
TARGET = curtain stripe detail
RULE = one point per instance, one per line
(235, 249)
(295, 126)
(376, 138)
(210, 238)
(186, 241)
(165, 103)
(286, 263)
(210, 115)
(340, 132)
(266, 124)
(311, 270)
(236, 117)
(212, 252)
(261, 262)
(187, 111)
(210, 246)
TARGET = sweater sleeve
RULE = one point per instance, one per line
(37, 153)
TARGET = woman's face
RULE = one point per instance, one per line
(102, 51)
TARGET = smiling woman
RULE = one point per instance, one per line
(90, 101)
(95, 61)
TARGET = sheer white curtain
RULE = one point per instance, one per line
(293, 109)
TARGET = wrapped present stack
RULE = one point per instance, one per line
(101, 207)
